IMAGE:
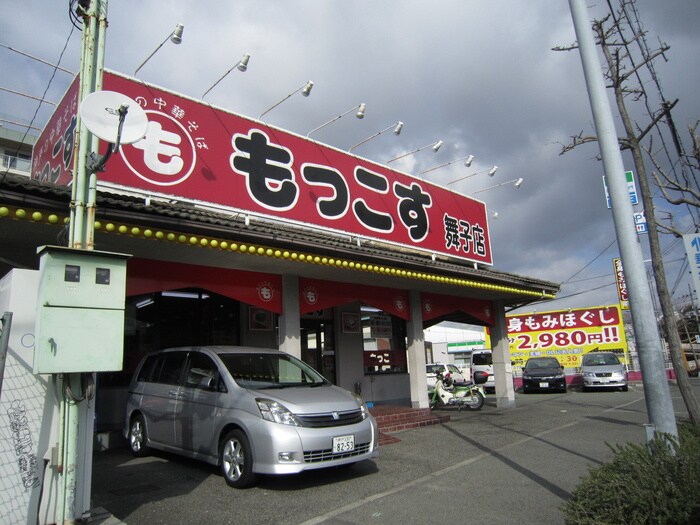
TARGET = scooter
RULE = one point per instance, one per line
(470, 395)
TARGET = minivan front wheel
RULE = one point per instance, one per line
(137, 436)
(236, 460)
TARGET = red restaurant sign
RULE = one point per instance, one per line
(197, 153)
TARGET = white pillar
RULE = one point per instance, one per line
(289, 322)
(416, 353)
(502, 368)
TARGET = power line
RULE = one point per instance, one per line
(56, 68)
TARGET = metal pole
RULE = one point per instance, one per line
(80, 237)
(656, 389)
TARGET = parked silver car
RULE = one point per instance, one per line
(603, 370)
(249, 410)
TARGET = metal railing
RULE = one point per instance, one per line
(15, 163)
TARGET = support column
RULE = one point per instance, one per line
(416, 352)
(502, 367)
(289, 322)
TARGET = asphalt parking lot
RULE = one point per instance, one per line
(496, 465)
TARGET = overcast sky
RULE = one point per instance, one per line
(478, 74)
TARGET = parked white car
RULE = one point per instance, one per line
(432, 368)
(482, 361)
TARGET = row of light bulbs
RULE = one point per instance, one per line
(207, 242)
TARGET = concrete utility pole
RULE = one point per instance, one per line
(94, 14)
(657, 392)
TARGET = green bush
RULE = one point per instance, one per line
(656, 482)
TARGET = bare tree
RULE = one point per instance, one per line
(621, 73)
(684, 189)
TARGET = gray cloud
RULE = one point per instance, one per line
(479, 75)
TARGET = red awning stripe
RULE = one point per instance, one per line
(315, 294)
(257, 289)
(435, 305)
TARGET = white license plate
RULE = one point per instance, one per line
(544, 384)
(343, 444)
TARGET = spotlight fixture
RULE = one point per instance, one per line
(467, 162)
(305, 91)
(360, 114)
(517, 183)
(435, 146)
(491, 172)
(397, 131)
(241, 65)
(175, 37)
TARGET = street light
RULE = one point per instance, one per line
(467, 163)
(175, 37)
(518, 182)
(360, 115)
(435, 145)
(305, 90)
(397, 131)
(491, 171)
(241, 65)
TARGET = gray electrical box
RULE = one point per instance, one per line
(80, 311)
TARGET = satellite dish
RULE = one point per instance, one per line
(100, 113)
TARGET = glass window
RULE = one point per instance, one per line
(172, 365)
(201, 371)
(384, 343)
(146, 372)
(270, 371)
(187, 317)
(482, 359)
(453, 369)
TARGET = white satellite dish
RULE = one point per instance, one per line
(100, 113)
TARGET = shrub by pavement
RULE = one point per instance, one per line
(656, 482)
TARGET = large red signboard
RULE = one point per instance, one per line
(195, 152)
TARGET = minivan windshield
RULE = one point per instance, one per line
(260, 371)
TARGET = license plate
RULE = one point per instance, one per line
(343, 444)
(544, 384)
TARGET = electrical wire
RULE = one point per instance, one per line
(36, 112)
(591, 262)
(636, 28)
(638, 36)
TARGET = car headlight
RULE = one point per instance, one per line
(276, 412)
(363, 407)
(618, 375)
(589, 374)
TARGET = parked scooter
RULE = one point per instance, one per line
(470, 395)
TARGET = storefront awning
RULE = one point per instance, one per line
(258, 289)
(315, 294)
(435, 305)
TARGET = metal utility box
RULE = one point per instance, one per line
(80, 311)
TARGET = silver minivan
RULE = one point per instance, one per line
(249, 410)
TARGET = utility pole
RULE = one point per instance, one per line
(94, 15)
(657, 392)
(657, 262)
